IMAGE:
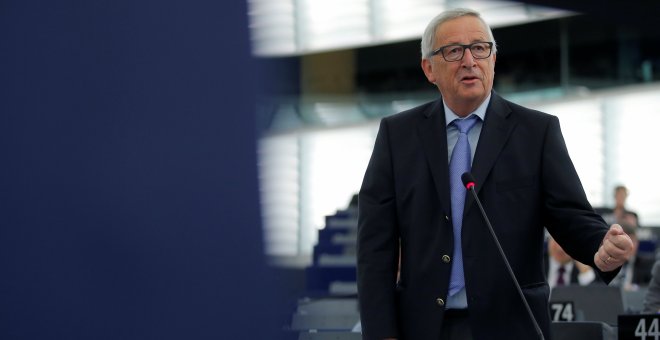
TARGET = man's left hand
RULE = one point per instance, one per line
(615, 250)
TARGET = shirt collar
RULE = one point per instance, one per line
(554, 265)
(480, 112)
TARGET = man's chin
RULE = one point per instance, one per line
(473, 95)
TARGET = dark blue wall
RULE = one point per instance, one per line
(128, 184)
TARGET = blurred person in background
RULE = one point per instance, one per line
(652, 298)
(562, 270)
(619, 214)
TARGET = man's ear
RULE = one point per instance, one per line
(427, 67)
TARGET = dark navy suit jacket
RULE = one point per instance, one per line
(525, 180)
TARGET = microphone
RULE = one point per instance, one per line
(469, 183)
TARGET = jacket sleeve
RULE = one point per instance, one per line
(569, 217)
(378, 243)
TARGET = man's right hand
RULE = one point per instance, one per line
(615, 250)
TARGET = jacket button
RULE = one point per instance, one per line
(440, 302)
(446, 258)
(446, 218)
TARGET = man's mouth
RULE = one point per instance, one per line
(470, 80)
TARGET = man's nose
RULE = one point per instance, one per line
(468, 59)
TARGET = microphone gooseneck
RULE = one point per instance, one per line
(469, 183)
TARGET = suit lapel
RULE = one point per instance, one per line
(433, 134)
(495, 132)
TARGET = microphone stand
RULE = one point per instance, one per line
(470, 188)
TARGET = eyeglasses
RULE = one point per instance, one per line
(455, 52)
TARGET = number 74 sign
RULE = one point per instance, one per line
(562, 311)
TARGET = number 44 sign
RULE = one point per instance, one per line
(639, 327)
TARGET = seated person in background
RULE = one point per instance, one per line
(562, 270)
(629, 278)
(652, 298)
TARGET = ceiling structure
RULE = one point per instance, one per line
(298, 27)
(638, 13)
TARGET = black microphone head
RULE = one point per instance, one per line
(468, 180)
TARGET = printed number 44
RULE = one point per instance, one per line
(653, 332)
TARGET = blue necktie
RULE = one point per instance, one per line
(459, 164)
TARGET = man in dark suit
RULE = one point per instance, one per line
(453, 283)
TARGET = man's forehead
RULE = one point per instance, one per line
(461, 30)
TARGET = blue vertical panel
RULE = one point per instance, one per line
(128, 184)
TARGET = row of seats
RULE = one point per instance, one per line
(330, 310)
(333, 269)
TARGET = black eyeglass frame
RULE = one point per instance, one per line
(441, 49)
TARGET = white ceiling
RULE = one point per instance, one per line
(297, 27)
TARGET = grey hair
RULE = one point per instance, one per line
(429, 33)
